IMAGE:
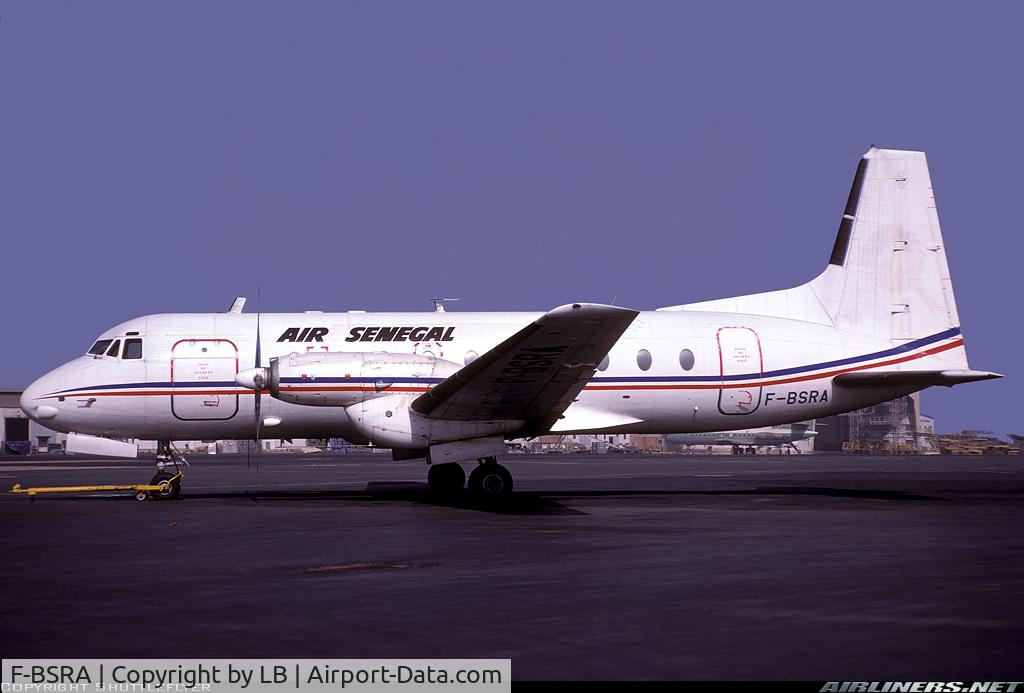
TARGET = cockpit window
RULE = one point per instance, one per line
(132, 349)
(114, 348)
(100, 347)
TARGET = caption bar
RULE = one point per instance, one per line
(215, 675)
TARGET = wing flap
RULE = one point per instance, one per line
(581, 418)
(535, 374)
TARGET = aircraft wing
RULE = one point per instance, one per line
(535, 374)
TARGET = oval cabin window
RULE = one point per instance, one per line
(686, 359)
(643, 359)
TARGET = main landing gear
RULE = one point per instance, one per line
(489, 481)
(446, 479)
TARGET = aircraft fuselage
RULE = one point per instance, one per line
(742, 371)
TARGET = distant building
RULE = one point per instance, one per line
(887, 427)
(18, 433)
(650, 443)
(573, 443)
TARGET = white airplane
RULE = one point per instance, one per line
(880, 322)
(746, 441)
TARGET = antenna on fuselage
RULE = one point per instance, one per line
(439, 303)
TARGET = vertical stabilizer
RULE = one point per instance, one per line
(887, 277)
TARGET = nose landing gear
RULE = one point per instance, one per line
(166, 491)
(169, 484)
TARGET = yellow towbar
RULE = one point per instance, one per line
(141, 489)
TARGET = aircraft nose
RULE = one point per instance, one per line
(33, 404)
(28, 399)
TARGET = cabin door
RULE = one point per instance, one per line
(739, 351)
(203, 379)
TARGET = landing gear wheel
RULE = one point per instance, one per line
(446, 479)
(173, 489)
(490, 481)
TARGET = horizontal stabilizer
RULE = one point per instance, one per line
(880, 379)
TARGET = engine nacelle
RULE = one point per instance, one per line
(340, 379)
(389, 421)
(377, 389)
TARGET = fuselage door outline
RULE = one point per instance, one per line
(739, 354)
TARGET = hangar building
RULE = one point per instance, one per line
(18, 433)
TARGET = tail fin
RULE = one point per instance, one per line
(887, 277)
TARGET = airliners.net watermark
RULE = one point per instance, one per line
(921, 687)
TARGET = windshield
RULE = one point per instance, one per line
(100, 347)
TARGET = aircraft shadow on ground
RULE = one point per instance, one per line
(522, 502)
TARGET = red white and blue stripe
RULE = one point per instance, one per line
(904, 353)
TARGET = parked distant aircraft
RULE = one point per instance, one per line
(880, 322)
(747, 441)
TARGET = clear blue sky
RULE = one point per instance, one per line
(166, 157)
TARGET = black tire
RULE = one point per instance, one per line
(172, 492)
(490, 482)
(446, 479)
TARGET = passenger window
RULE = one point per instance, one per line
(100, 347)
(643, 359)
(114, 348)
(686, 359)
(132, 349)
